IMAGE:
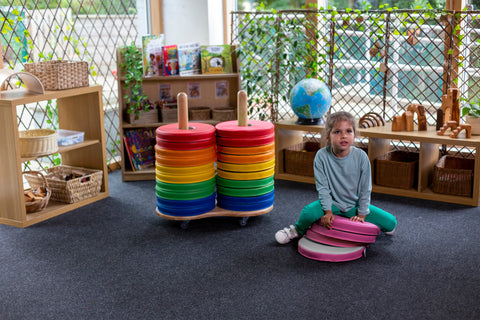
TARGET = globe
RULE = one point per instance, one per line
(310, 99)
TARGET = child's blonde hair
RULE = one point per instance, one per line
(335, 117)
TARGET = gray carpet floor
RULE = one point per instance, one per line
(116, 259)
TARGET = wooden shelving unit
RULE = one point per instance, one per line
(288, 133)
(151, 88)
(79, 109)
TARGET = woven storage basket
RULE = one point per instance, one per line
(396, 169)
(60, 74)
(298, 159)
(73, 190)
(199, 113)
(38, 142)
(224, 114)
(38, 205)
(144, 117)
(453, 175)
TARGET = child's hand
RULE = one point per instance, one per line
(327, 220)
(358, 218)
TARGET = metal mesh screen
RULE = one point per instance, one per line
(377, 61)
(75, 30)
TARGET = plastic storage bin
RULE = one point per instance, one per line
(69, 137)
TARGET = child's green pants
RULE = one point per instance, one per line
(313, 212)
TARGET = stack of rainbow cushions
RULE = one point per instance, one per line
(185, 169)
(346, 240)
(245, 165)
(187, 182)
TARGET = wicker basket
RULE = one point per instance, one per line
(143, 117)
(224, 114)
(169, 112)
(38, 142)
(38, 205)
(396, 169)
(453, 175)
(73, 190)
(60, 74)
(200, 113)
(298, 159)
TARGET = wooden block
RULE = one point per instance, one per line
(398, 123)
(440, 121)
(466, 127)
(409, 126)
(421, 118)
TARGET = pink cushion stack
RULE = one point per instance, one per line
(346, 240)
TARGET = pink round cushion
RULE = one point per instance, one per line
(320, 238)
(321, 252)
(345, 229)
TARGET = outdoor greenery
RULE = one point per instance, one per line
(344, 4)
(78, 6)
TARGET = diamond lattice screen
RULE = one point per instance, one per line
(378, 61)
(78, 30)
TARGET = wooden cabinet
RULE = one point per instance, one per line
(208, 96)
(79, 109)
(379, 142)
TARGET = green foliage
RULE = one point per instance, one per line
(132, 70)
(471, 108)
(78, 6)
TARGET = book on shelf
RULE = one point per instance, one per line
(152, 54)
(129, 154)
(141, 142)
(170, 60)
(216, 59)
(189, 59)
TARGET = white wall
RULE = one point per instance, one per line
(186, 21)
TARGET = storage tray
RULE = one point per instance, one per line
(69, 137)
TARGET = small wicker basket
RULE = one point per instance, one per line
(397, 169)
(38, 142)
(60, 74)
(199, 113)
(73, 190)
(299, 158)
(224, 114)
(453, 175)
(38, 205)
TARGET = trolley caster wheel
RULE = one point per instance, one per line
(184, 224)
(243, 221)
(364, 253)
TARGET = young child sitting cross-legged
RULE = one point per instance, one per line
(343, 181)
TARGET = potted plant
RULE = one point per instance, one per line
(471, 112)
(131, 68)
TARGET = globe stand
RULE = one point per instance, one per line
(312, 122)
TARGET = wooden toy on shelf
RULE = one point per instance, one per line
(451, 105)
(405, 121)
(456, 129)
(371, 119)
(459, 128)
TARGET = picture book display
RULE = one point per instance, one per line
(189, 59)
(170, 60)
(216, 59)
(140, 144)
(152, 54)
